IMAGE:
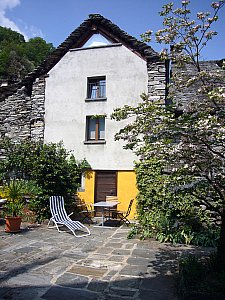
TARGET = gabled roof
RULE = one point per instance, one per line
(94, 24)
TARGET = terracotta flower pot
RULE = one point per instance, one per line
(12, 224)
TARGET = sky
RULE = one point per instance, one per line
(54, 20)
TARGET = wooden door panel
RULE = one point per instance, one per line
(105, 185)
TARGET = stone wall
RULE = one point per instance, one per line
(21, 115)
(14, 116)
(37, 110)
(156, 80)
(183, 95)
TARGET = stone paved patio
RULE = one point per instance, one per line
(40, 263)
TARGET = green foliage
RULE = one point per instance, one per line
(198, 278)
(17, 160)
(18, 57)
(14, 191)
(9, 35)
(51, 166)
(134, 231)
(14, 209)
(36, 50)
(207, 238)
(192, 268)
(191, 273)
(167, 214)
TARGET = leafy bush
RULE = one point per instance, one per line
(198, 278)
(168, 214)
(51, 166)
(192, 269)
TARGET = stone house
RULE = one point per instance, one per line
(72, 94)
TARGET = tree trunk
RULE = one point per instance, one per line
(221, 246)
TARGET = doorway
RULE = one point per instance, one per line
(105, 185)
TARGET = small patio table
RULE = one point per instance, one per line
(105, 204)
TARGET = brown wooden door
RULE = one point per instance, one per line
(105, 185)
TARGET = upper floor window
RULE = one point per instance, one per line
(95, 129)
(96, 88)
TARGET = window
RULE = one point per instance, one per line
(96, 88)
(81, 182)
(97, 40)
(95, 129)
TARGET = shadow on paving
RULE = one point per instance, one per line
(150, 289)
(19, 284)
(40, 263)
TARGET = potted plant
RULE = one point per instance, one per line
(13, 191)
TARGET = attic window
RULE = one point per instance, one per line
(97, 40)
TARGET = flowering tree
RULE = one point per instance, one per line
(187, 141)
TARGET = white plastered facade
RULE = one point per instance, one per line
(66, 108)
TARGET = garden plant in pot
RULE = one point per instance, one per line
(14, 192)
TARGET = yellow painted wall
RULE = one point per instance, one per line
(89, 188)
(126, 190)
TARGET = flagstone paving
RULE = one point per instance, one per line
(39, 263)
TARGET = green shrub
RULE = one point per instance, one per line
(168, 214)
(198, 277)
(51, 166)
(192, 268)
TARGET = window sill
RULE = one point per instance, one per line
(95, 99)
(94, 142)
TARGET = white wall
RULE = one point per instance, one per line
(66, 109)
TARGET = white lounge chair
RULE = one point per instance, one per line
(60, 217)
